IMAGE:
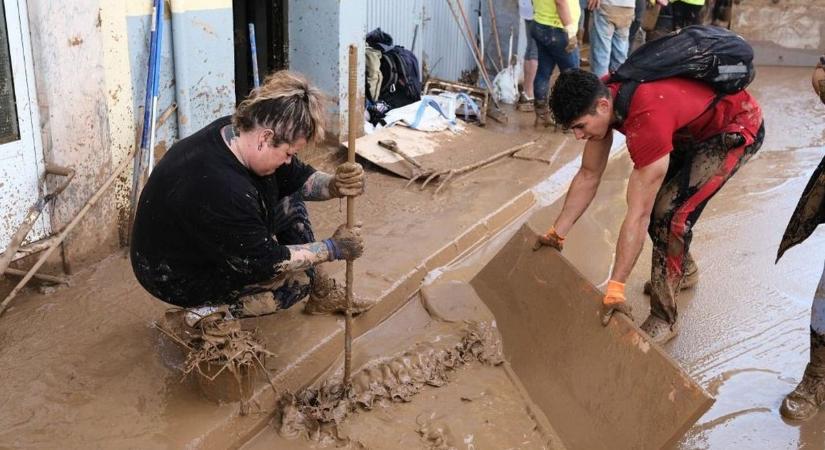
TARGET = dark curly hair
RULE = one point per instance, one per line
(574, 94)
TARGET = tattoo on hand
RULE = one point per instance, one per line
(304, 256)
(317, 187)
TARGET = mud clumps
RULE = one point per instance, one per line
(225, 360)
(316, 413)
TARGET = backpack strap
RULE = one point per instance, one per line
(621, 103)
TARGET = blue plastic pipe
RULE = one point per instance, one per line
(144, 158)
(255, 78)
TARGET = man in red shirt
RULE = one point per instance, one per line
(685, 143)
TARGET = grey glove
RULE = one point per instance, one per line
(348, 180)
(346, 243)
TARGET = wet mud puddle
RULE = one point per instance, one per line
(444, 385)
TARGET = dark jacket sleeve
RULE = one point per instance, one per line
(809, 212)
(292, 177)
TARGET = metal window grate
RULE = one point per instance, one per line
(8, 107)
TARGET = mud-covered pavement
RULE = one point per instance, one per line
(83, 369)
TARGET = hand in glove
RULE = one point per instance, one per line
(345, 243)
(614, 301)
(348, 180)
(572, 42)
(549, 239)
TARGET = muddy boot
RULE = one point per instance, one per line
(256, 305)
(543, 119)
(690, 279)
(327, 297)
(525, 104)
(804, 402)
(659, 330)
(192, 324)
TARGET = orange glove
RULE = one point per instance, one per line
(614, 301)
(550, 239)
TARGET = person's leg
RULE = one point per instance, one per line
(544, 38)
(809, 395)
(637, 19)
(601, 35)
(531, 63)
(293, 227)
(621, 18)
(530, 67)
(706, 167)
(681, 15)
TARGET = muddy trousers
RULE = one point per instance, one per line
(290, 220)
(696, 172)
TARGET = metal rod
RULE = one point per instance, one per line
(34, 212)
(352, 93)
(62, 236)
(256, 80)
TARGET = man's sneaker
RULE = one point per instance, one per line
(659, 330)
(327, 297)
(195, 323)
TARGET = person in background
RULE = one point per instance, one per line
(686, 13)
(554, 29)
(609, 34)
(531, 63)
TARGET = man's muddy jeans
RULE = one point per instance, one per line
(609, 38)
(550, 42)
(696, 172)
(290, 221)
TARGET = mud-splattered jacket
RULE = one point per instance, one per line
(203, 227)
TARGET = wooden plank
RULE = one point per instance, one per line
(601, 388)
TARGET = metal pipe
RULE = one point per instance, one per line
(62, 236)
(142, 157)
(34, 212)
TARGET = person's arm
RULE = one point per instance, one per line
(345, 243)
(642, 187)
(317, 187)
(347, 181)
(563, 9)
(585, 183)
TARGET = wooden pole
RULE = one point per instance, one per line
(495, 33)
(470, 40)
(352, 93)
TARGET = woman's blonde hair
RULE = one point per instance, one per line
(288, 105)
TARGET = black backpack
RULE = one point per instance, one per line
(401, 84)
(711, 54)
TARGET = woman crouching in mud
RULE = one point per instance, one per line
(221, 227)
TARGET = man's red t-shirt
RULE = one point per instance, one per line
(674, 109)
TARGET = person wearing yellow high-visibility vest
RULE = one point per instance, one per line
(555, 23)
